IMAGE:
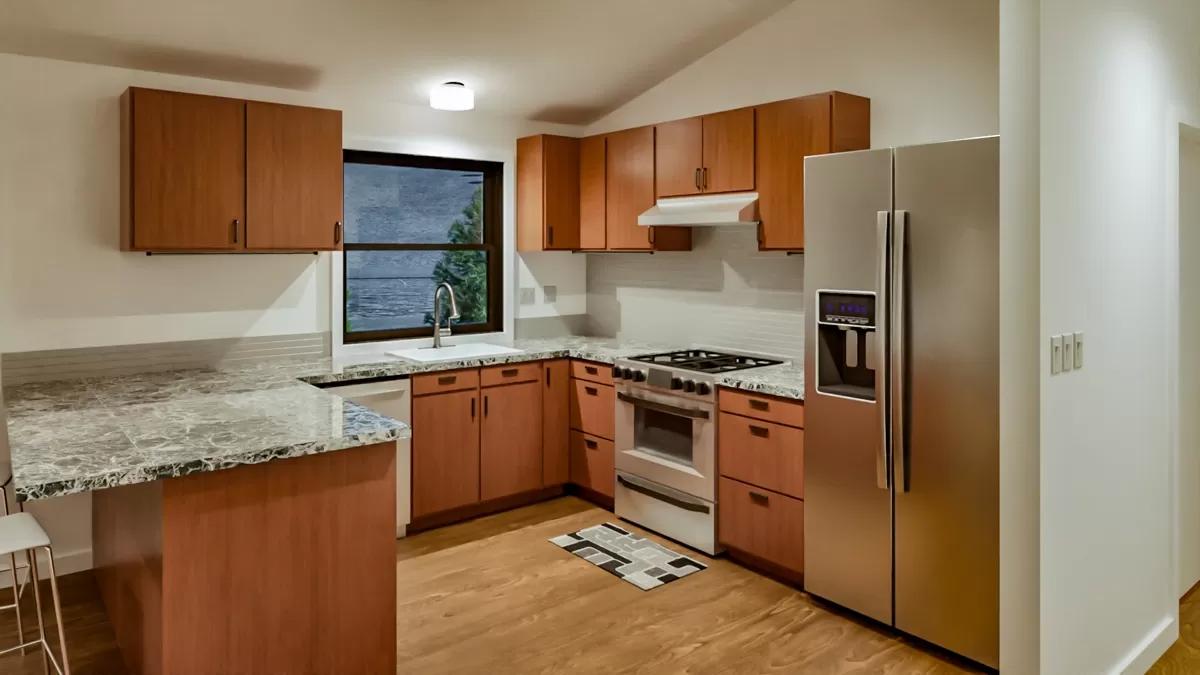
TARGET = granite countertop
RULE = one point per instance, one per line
(82, 435)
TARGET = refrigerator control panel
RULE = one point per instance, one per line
(841, 308)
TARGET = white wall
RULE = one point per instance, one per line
(1188, 482)
(63, 283)
(1117, 78)
(928, 66)
(931, 70)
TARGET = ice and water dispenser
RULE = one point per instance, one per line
(847, 350)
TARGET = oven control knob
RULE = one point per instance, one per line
(676, 383)
(689, 386)
(639, 376)
(703, 389)
(625, 374)
(616, 373)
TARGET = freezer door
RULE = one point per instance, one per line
(847, 503)
(945, 395)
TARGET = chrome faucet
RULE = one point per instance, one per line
(438, 331)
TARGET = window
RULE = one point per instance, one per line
(412, 223)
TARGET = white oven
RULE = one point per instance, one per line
(667, 439)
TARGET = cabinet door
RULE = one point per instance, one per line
(445, 451)
(630, 174)
(593, 463)
(293, 177)
(592, 190)
(547, 193)
(762, 523)
(556, 421)
(510, 454)
(678, 157)
(786, 132)
(187, 171)
(729, 151)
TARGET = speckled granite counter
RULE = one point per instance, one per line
(82, 435)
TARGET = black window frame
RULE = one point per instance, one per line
(492, 244)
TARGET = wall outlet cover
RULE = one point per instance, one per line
(1056, 354)
(527, 296)
(1078, 350)
(551, 293)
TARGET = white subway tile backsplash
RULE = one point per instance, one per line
(723, 293)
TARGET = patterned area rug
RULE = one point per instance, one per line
(635, 559)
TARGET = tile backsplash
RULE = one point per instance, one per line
(723, 293)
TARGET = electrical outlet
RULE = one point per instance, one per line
(1056, 354)
(527, 296)
(551, 293)
(1068, 356)
(1078, 350)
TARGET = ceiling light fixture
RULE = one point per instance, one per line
(452, 96)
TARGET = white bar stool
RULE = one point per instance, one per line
(21, 533)
(18, 587)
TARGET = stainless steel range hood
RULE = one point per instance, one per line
(738, 208)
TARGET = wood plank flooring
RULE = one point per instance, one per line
(1184, 655)
(493, 596)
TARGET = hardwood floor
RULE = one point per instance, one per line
(1184, 655)
(493, 596)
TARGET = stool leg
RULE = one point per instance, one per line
(12, 568)
(62, 633)
(37, 602)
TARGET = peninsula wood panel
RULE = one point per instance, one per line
(510, 455)
(592, 193)
(761, 453)
(729, 151)
(445, 451)
(678, 157)
(293, 177)
(186, 173)
(286, 566)
(556, 422)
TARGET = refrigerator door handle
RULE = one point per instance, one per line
(898, 361)
(882, 474)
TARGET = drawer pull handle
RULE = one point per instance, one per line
(759, 498)
(448, 379)
(509, 372)
(591, 391)
(761, 432)
(592, 445)
(759, 405)
(591, 370)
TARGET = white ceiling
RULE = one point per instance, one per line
(566, 61)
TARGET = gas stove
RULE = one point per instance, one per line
(687, 371)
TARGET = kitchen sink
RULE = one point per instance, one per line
(453, 353)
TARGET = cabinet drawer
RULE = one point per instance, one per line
(510, 373)
(593, 463)
(760, 406)
(594, 372)
(762, 523)
(451, 380)
(593, 407)
(762, 453)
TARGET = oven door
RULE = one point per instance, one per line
(667, 439)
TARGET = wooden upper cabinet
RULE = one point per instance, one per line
(785, 133)
(678, 157)
(728, 151)
(629, 166)
(592, 190)
(293, 177)
(548, 193)
(183, 171)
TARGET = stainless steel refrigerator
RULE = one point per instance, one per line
(901, 465)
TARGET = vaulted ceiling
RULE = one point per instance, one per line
(566, 61)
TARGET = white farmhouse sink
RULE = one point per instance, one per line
(453, 353)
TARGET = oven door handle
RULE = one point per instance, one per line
(664, 407)
(684, 504)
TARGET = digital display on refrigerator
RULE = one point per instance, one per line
(851, 309)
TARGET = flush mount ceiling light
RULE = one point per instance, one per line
(452, 96)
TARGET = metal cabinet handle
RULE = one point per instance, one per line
(547, 369)
(899, 320)
(236, 225)
(759, 498)
(337, 233)
(591, 391)
(704, 179)
(761, 432)
(485, 406)
(509, 372)
(591, 445)
(591, 370)
(549, 235)
(472, 407)
(696, 179)
(759, 405)
(448, 379)
(883, 477)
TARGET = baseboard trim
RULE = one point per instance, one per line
(68, 562)
(1150, 648)
(435, 520)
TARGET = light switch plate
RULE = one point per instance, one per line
(1056, 354)
(1078, 350)
(1068, 358)
(551, 293)
(527, 296)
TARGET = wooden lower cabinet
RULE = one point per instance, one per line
(765, 524)
(762, 453)
(556, 422)
(445, 451)
(510, 445)
(593, 408)
(593, 463)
